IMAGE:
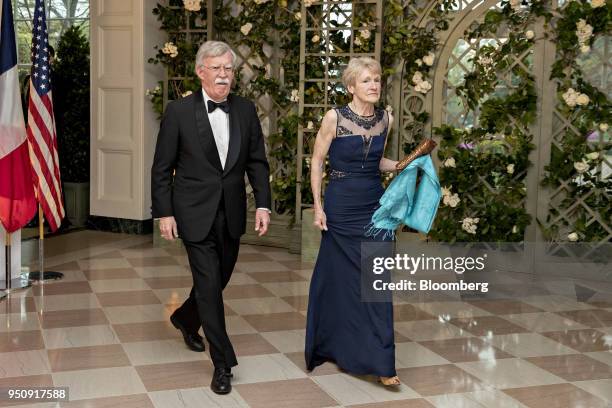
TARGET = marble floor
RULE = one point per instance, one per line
(103, 332)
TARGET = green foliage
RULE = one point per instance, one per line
(71, 104)
(404, 42)
(496, 151)
(574, 150)
(272, 23)
(490, 158)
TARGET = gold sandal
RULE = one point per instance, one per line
(389, 381)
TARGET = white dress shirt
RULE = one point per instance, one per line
(219, 122)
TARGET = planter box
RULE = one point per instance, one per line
(158, 241)
(279, 234)
(401, 236)
(76, 201)
(311, 237)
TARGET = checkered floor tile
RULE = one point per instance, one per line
(103, 331)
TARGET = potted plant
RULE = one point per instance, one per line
(71, 108)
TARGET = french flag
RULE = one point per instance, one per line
(17, 199)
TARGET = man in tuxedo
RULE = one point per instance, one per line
(206, 143)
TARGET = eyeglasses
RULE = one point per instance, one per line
(217, 68)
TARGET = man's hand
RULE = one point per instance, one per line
(262, 220)
(167, 227)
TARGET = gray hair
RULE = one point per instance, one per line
(213, 49)
(356, 66)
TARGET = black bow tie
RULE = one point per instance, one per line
(212, 105)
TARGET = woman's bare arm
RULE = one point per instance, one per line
(324, 138)
(387, 164)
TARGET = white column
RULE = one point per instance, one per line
(123, 125)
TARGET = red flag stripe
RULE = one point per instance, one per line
(42, 156)
(44, 159)
(45, 139)
(44, 193)
(49, 191)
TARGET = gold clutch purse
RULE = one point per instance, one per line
(425, 147)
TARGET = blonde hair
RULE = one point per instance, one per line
(356, 66)
(213, 49)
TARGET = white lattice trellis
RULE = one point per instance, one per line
(328, 41)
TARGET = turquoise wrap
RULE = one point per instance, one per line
(404, 203)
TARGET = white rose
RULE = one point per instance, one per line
(598, 3)
(452, 200)
(192, 5)
(246, 29)
(485, 61)
(308, 3)
(583, 99)
(365, 34)
(389, 109)
(358, 42)
(581, 166)
(469, 225)
(310, 125)
(515, 4)
(186, 93)
(514, 229)
(573, 237)
(603, 127)
(170, 49)
(510, 168)
(592, 156)
(429, 59)
(570, 96)
(315, 38)
(450, 162)
(295, 97)
(418, 62)
(423, 87)
(297, 16)
(417, 78)
(529, 34)
(446, 191)
(585, 49)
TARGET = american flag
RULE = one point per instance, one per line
(41, 125)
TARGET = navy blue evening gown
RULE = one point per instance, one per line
(341, 328)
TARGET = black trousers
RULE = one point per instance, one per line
(212, 262)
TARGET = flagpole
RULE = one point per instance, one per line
(46, 275)
(12, 284)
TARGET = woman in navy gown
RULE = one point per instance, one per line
(341, 328)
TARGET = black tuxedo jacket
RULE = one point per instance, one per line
(186, 146)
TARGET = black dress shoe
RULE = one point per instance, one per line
(221, 383)
(193, 340)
